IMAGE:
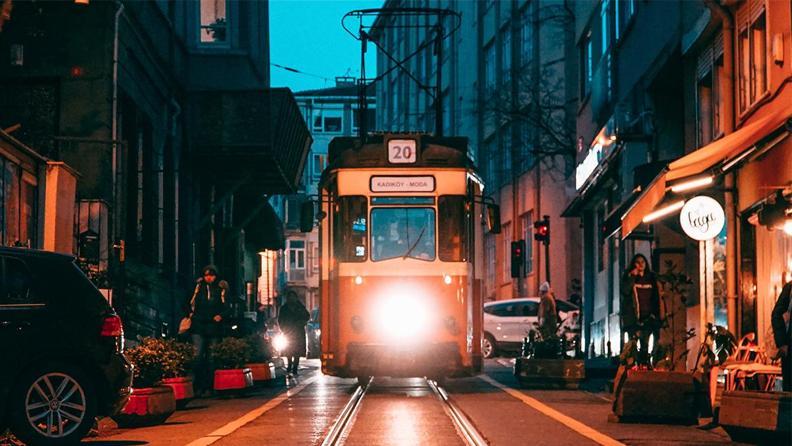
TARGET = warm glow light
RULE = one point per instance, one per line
(788, 227)
(402, 317)
(358, 280)
(662, 212)
(279, 342)
(692, 184)
(447, 279)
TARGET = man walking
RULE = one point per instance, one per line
(292, 319)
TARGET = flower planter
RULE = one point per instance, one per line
(262, 371)
(764, 417)
(549, 373)
(233, 379)
(657, 396)
(147, 406)
(182, 390)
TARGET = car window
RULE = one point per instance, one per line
(565, 306)
(502, 310)
(15, 283)
(530, 309)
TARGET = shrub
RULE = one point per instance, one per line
(178, 358)
(230, 353)
(147, 359)
(260, 350)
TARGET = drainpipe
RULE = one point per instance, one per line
(114, 123)
(728, 94)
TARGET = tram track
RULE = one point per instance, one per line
(341, 428)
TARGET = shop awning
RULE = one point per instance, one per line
(716, 157)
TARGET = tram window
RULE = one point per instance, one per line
(402, 232)
(349, 229)
(452, 233)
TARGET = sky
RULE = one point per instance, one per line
(307, 35)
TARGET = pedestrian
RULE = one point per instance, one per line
(548, 313)
(292, 319)
(782, 332)
(207, 311)
(640, 305)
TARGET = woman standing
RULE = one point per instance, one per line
(207, 310)
(292, 320)
(640, 304)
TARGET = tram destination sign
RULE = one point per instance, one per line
(424, 183)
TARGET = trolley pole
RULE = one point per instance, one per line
(439, 91)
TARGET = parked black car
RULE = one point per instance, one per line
(61, 349)
(313, 335)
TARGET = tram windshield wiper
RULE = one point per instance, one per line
(409, 251)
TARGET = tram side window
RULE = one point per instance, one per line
(452, 234)
(349, 229)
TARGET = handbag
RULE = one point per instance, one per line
(185, 324)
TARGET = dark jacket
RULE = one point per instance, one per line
(630, 305)
(782, 331)
(292, 319)
(208, 300)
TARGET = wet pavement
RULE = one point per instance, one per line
(406, 412)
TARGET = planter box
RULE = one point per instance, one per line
(233, 379)
(147, 407)
(549, 373)
(182, 390)
(757, 416)
(262, 371)
(657, 396)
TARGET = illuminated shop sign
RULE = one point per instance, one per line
(702, 218)
(603, 144)
(403, 183)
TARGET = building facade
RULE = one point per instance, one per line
(331, 112)
(680, 105)
(165, 110)
(507, 83)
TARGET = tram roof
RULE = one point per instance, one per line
(433, 151)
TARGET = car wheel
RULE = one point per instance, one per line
(488, 346)
(53, 406)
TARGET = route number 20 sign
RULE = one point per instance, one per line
(402, 151)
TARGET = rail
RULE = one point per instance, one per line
(464, 426)
(343, 423)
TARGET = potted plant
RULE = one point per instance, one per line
(229, 357)
(260, 353)
(179, 355)
(544, 362)
(150, 403)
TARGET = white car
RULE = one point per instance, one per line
(507, 322)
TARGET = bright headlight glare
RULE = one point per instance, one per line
(280, 342)
(402, 317)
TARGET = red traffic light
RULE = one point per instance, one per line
(542, 230)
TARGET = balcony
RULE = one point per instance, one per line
(258, 136)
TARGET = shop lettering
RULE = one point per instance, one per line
(702, 218)
(701, 222)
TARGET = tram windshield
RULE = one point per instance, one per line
(402, 232)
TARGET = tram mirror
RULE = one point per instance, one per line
(307, 216)
(493, 219)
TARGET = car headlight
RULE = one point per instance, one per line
(402, 318)
(280, 342)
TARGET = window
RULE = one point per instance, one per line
(529, 309)
(11, 195)
(506, 55)
(502, 310)
(586, 65)
(624, 12)
(318, 164)
(402, 232)
(329, 120)
(527, 144)
(490, 154)
(526, 36)
(709, 72)
(506, 151)
(349, 229)
(452, 233)
(601, 241)
(489, 68)
(752, 52)
(605, 26)
(489, 242)
(296, 259)
(214, 23)
(565, 306)
(16, 283)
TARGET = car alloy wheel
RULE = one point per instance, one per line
(55, 405)
(487, 347)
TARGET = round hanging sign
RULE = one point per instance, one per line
(702, 218)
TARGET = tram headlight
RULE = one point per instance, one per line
(402, 318)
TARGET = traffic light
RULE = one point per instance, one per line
(517, 258)
(542, 230)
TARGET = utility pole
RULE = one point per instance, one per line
(439, 90)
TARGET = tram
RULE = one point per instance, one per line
(401, 237)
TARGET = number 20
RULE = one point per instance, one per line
(402, 152)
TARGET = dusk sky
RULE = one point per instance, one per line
(307, 35)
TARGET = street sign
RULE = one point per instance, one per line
(702, 218)
(402, 151)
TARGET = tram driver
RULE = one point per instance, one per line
(391, 240)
